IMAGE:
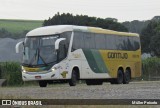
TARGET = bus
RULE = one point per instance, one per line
(71, 53)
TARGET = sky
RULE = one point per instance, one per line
(123, 10)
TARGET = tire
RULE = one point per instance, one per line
(127, 77)
(43, 83)
(119, 79)
(74, 78)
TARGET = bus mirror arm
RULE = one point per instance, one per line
(17, 48)
(57, 43)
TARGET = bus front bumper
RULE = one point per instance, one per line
(33, 76)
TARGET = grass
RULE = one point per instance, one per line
(12, 72)
(18, 26)
(2, 96)
(151, 69)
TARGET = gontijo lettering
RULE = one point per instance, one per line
(117, 55)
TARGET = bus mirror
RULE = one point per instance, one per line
(57, 43)
(18, 46)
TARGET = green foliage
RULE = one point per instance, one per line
(135, 26)
(155, 44)
(17, 28)
(151, 69)
(150, 38)
(6, 34)
(149, 32)
(84, 20)
(12, 72)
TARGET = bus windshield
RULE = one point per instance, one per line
(39, 50)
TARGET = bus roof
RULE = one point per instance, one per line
(57, 29)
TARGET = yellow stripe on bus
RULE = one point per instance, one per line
(31, 69)
(104, 31)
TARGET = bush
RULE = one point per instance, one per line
(151, 69)
(12, 72)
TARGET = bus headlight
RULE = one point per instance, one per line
(23, 70)
(52, 70)
(55, 68)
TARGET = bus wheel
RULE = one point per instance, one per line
(73, 80)
(119, 79)
(127, 77)
(43, 83)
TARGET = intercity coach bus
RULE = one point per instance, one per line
(71, 53)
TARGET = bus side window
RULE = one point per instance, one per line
(66, 35)
(120, 44)
(130, 44)
(100, 41)
(78, 41)
(110, 42)
(124, 43)
(136, 43)
(89, 41)
(62, 50)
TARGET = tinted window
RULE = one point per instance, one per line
(131, 43)
(120, 43)
(89, 41)
(114, 42)
(62, 50)
(100, 41)
(124, 43)
(85, 40)
(136, 43)
(110, 42)
(78, 41)
(66, 35)
(64, 45)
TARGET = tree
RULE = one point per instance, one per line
(135, 26)
(150, 38)
(84, 20)
(156, 18)
(155, 40)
